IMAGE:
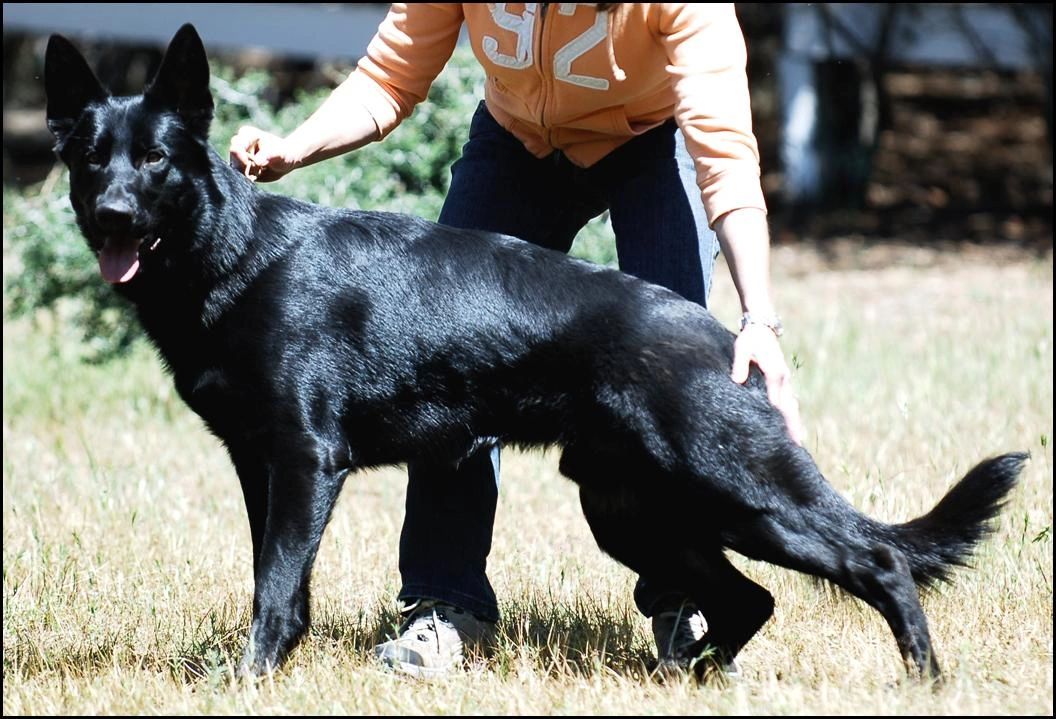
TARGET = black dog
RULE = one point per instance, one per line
(315, 342)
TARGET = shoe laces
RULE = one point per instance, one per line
(427, 620)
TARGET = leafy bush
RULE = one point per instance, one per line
(48, 267)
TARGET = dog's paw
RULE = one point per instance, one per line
(253, 666)
(713, 671)
(667, 671)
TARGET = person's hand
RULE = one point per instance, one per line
(757, 343)
(260, 156)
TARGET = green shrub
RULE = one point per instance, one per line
(48, 267)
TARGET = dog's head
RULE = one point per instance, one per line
(133, 161)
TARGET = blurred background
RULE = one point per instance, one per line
(934, 117)
(907, 124)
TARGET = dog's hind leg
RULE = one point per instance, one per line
(657, 537)
(804, 525)
(877, 574)
(735, 607)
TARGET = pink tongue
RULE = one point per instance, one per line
(119, 261)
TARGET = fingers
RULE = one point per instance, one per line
(776, 382)
(754, 344)
(741, 360)
(760, 345)
(781, 394)
(248, 153)
(788, 404)
(242, 147)
(790, 409)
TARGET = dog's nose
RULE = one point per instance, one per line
(114, 215)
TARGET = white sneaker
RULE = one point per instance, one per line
(432, 640)
(675, 632)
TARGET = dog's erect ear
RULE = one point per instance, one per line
(182, 81)
(69, 84)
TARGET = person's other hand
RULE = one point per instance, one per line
(758, 344)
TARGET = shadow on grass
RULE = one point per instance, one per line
(205, 651)
(581, 641)
(557, 639)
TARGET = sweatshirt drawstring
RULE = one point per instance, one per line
(617, 71)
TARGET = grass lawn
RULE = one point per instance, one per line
(127, 578)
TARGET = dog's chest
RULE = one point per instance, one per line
(215, 395)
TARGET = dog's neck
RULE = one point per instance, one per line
(232, 255)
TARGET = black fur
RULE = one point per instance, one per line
(315, 342)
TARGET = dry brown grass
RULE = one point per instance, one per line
(127, 583)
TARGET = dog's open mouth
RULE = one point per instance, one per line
(119, 258)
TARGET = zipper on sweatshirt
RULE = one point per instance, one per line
(544, 79)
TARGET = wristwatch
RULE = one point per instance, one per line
(773, 322)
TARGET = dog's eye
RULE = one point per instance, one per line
(93, 158)
(153, 157)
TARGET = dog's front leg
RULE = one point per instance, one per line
(253, 476)
(300, 497)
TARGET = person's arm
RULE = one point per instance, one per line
(707, 54)
(340, 125)
(745, 241)
(411, 47)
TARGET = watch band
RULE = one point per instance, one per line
(773, 323)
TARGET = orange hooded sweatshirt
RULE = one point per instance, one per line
(565, 76)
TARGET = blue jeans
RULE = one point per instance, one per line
(648, 185)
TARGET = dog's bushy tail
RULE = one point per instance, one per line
(945, 537)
